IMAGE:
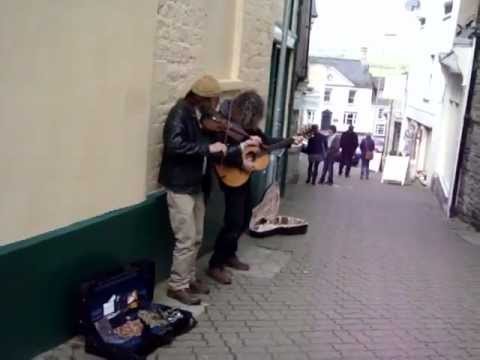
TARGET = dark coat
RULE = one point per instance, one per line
(349, 142)
(317, 145)
(367, 145)
(186, 153)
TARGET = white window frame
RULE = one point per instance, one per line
(310, 115)
(380, 126)
(350, 114)
(380, 113)
(327, 95)
(351, 96)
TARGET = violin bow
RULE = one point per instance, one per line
(225, 139)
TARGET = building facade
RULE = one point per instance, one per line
(438, 90)
(83, 102)
(340, 93)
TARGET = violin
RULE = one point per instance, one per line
(216, 122)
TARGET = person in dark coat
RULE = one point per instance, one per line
(367, 147)
(348, 143)
(333, 142)
(316, 150)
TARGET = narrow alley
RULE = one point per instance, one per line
(378, 276)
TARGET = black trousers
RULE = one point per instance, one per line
(345, 161)
(238, 211)
(313, 170)
(328, 169)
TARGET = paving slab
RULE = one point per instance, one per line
(381, 274)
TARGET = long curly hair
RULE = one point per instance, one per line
(249, 108)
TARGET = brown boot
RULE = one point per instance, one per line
(236, 264)
(199, 287)
(220, 275)
(184, 296)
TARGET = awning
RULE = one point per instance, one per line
(450, 61)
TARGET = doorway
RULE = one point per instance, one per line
(326, 120)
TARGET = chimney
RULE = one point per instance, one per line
(364, 55)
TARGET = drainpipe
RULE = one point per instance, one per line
(279, 105)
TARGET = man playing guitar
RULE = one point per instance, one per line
(247, 110)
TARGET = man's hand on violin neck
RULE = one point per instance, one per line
(298, 139)
(217, 148)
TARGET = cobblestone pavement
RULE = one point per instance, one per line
(379, 276)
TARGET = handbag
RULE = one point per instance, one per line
(368, 152)
(369, 155)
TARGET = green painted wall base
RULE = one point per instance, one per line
(41, 276)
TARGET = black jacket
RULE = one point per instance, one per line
(317, 145)
(349, 142)
(185, 166)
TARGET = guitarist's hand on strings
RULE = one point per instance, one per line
(256, 139)
(217, 147)
(248, 165)
(253, 141)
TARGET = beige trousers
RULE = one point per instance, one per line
(187, 216)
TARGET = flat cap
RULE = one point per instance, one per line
(207, 86)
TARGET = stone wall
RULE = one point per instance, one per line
(468, 202)
(181, 33)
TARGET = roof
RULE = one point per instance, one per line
(352, 69)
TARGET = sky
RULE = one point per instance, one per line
(344, 26)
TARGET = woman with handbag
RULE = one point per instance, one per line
(367, 147)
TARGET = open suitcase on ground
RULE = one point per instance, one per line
(266, 221)
(119, 319)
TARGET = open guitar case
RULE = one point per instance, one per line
(266, 221)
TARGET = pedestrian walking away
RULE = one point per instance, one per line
(348, 143)
(316, 150)
(332, 154)
(367, 147)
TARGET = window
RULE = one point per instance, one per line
(310, 115)
(412, 5)
(429, 81)
(380, 113)
(350, 118)
(380, 130)
(351, 96)
(448, 7)
(327, 94)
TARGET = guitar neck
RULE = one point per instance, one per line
(280, 145)
(284, 143)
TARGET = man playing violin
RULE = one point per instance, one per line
(184, 174)
(246, 110)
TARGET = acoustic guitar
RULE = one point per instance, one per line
(259, 156)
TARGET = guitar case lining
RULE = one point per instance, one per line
(267, 222)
